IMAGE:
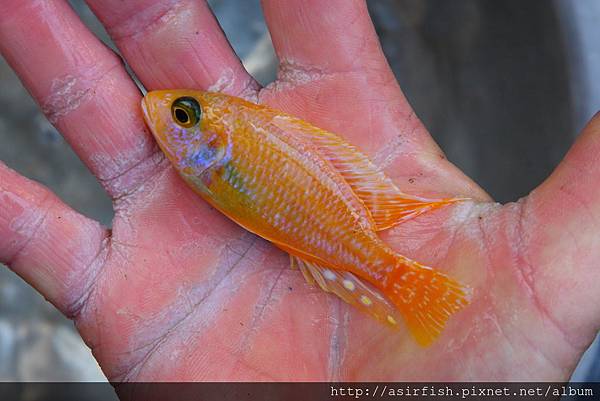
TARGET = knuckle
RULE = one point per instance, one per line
(68, 92)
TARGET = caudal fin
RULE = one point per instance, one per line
(425, 298)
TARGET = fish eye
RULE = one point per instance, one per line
(186, 111)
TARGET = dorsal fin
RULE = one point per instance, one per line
(350, 289)
(387, 204)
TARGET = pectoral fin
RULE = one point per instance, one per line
(387, 204)
(350, 289)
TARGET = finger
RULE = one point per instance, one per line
(561, 237)
(333, 35)
(174, 44)
(55, 249)
(334, 74)
(81, 86)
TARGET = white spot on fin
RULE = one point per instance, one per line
(349, 285)
(329, 275)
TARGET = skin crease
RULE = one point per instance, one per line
(175, 291)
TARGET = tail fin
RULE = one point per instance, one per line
(425, 298)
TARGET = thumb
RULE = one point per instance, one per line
(560, 236)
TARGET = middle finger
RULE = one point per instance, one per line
(175, 44)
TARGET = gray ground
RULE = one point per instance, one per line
(489, 79)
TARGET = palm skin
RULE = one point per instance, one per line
(176, 291)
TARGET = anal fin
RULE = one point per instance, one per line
(351, 290)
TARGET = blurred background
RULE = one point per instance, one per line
(503, 86)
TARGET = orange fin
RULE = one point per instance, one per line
(425, 297)
(387, 204)
(352, 290)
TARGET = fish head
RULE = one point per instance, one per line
(187, 127)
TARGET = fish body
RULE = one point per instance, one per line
(309, 193)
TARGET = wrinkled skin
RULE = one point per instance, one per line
(175, 291)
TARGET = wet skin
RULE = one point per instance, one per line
(176, 291)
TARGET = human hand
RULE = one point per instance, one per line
(176, 291)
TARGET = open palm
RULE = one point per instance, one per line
(175, 291)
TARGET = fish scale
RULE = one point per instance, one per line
(305, 188)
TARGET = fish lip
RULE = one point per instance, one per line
(146, 112)
(147, 109)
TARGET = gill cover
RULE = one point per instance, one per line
(201, 146)
(202, 154)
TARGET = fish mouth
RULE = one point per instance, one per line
(150, 109)
(147, 109)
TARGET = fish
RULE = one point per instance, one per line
(311, 194)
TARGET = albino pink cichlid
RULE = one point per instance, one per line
(311, 194)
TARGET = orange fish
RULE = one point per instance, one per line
(311, 194)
